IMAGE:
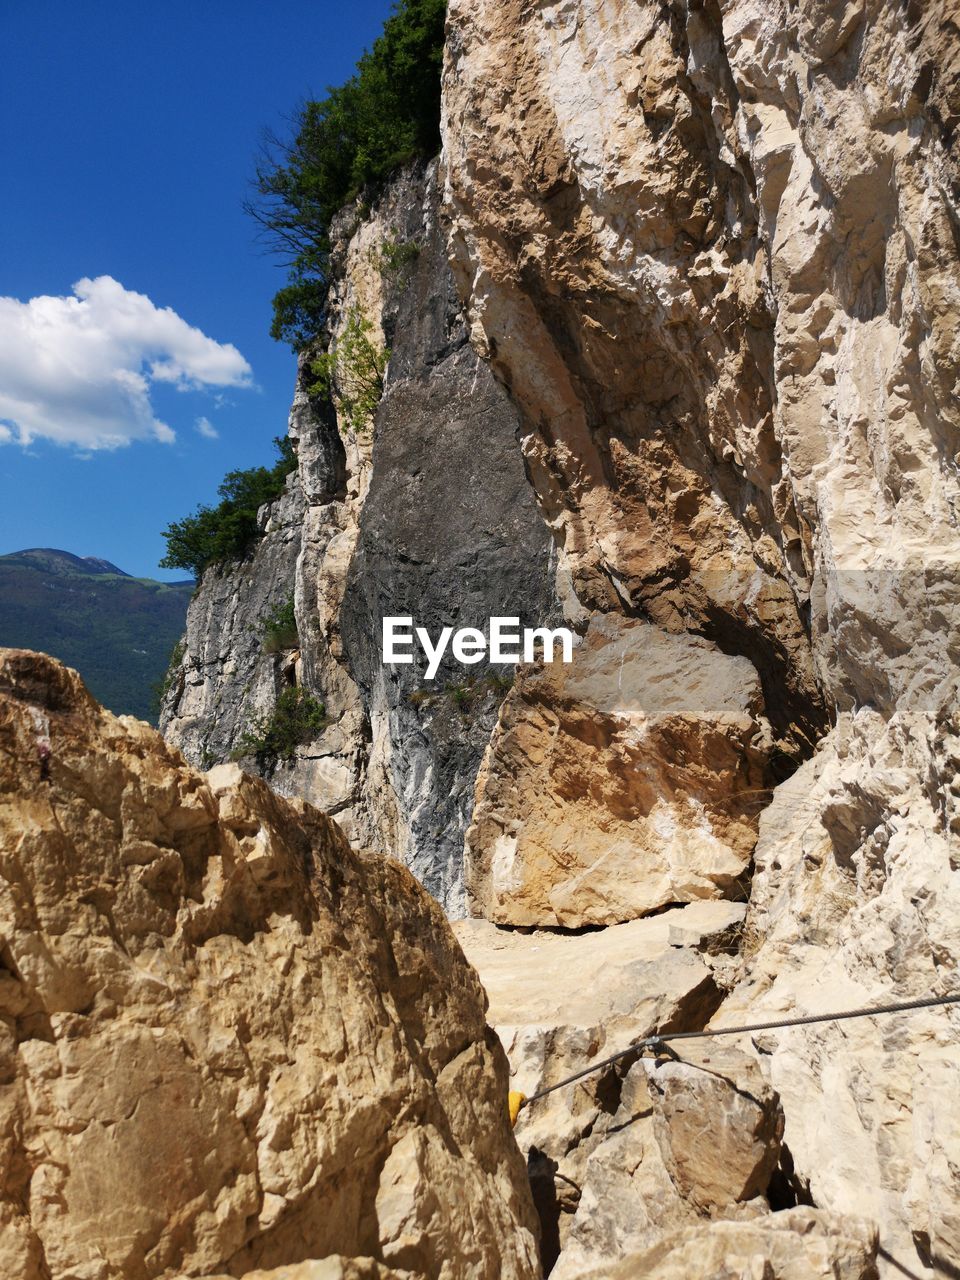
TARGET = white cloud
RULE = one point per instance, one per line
(207, 429)
(79, 370)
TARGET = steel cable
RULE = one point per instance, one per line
(651, 1042)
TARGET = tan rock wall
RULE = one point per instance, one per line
(620, 783)
(658, 1165)
(712, 259)
(712, 251)
(856, 901)
(229, 1042)
(608, 242)
(798, 1244)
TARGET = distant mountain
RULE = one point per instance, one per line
(116, 630)
(50, 560)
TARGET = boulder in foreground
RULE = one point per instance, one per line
(229, 1042)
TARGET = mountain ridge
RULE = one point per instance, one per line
(56, 560)
(115, 629)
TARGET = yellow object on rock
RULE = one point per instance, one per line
(514, 1102)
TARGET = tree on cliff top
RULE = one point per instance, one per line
(226, 531)
(349, 142)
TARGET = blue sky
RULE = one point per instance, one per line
(128, 137)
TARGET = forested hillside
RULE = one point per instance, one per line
(117, 631)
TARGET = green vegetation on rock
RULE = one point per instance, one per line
(466, 695)
(163, 687)
(296, 718)
(345, 144)
(395, 256)
(279, 627)
(228, 530)
(351, 371)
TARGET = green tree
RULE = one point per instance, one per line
(352, 372)
(227, 531)
(349, 142)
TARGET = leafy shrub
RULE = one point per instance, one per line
(499, 683)
(351, 141)
(226, 531)
(352, 372)
(296, 718)
(394, 256)
(279, 626)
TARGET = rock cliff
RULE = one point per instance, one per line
(674, 354)
(427, 514)
(230, 1043)
(712, 250)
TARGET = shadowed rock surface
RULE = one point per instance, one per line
(449, 535)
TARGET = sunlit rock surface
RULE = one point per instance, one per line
(621, 783)
(712, 252)
(229, 1042)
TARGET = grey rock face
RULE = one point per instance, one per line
(449, 535)
(225, 678)
(428, 514)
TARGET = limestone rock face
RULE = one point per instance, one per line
(610, 248)
(449, 535)
(559, 1001)
(622, 782)
(712, 251)
(226, 680)
(229, 1042)
(713, 261)
(709, 251)
(745, 1120)
(797, 1244)
(856, 900)
(223, 676)
(428, 513)
(627, 1164)
(330, 1268)
(686, 1139)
